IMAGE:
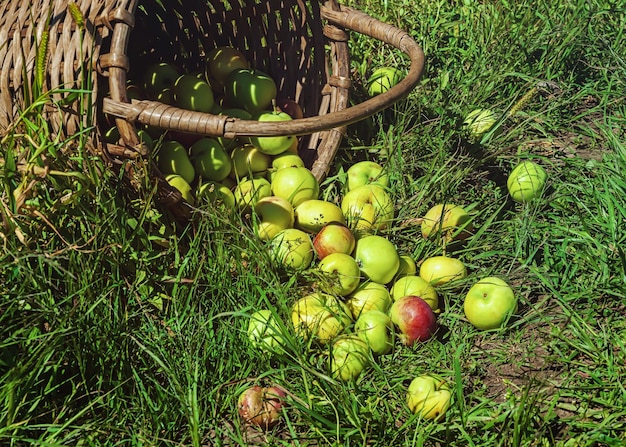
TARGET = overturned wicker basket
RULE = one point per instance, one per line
(303, 45)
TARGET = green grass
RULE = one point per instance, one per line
(118, 329)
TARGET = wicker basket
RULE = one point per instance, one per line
(303, 45)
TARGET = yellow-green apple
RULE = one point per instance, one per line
(366, 172)
(367, 208)
(320, 315)
(478, 122)
(275, 214)
(377, 257)
(249, 191)
(429, 396)
(448, 220)
(334, 237)
(292, 248)
(376, 329)
(349, 356)
(312, 215)
(291, 107)
(178, 182)
(285, 160)
(216, 194)
(295, 185)
(415, 285)
(414, 318)
(231, 143)
(340, 274)
(248, 162)
(172, 158)
(210, 160)
(407, 266)
(250, 89)
(262, 406)
(382, 79)
(191, 93)
(221, 61)
(438, 270)
(368, 296)
(526, 181)
(159, 77)
(489, 303)
(272, 145)
(264, 331)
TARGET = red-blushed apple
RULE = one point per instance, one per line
(275, 214)
(312, 215)
(272, 145)
(262, 406)
(264, 331)
(367, 208)
(321, 316)
(349, 356)
(429, 396)
(449, 221)
(295, 185)
(369, 295)
(290, 107)
(340, 274)
(366, 172)
(377, 257)
(414, 318)
(489, 303)
(438, 270)
(250, 89)
(292, 248)
(248, 162)
(526, 181)
(334, 237)
(376, 329)
(418, 286)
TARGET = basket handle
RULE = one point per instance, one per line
(157, 114)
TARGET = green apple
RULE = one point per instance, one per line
(178, 182)
(377, 257)
(210, 160)
(367, 208)
(264, 331)
(275, 214)
(438, 270)
(172, 158)
(248, 162)
(478, 122)
(368, 296)
(382, 79)
(334, 237)
(216, 194)
(272, 145)
(489, 303)
(366, 172)
(145, 138)
(159, 77)
(448, 220)
(429, 396)
(295, 185)
(221, 61)
(376, 329)
(407, 266)
(312, 215)
(340, 274)
(349, 356)
(292, 248)
(418, 286)
(526, 181)
(191, 93)
(250, 89)
(285, 160)
(321, 316)
(249, 191)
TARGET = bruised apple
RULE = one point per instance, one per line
(414, 318)
(261, 406)
(312, 215)
(429, 396)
